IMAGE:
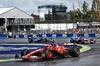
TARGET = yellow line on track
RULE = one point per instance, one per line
(2, 60)
(84, 48)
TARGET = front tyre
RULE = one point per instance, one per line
(48, 54)
(30, 39)
(16, 56)
(25, 52)
(45, 40)
(74, 51)
(71, 40)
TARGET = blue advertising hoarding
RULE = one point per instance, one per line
(57, 35)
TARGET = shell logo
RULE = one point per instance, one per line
(61, 51)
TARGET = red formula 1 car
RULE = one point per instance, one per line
(49, 52)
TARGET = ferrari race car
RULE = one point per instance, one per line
(39, 39)
(49, 52)
(82, 40)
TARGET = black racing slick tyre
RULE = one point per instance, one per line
(71, 41)
(25, 52)
(74, 51)
(16, 56)
(30, 39)
(81, 41)
(45, 40)
(48, 54)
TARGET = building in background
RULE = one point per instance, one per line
(15, 20)
(36, 17)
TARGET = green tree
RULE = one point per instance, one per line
(85, 9)
(94, 9)
(79, 13)
(71, 14)
(97, 8)
(94, 4)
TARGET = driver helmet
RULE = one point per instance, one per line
(39, 37)
(80, 36)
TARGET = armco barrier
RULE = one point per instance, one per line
(3, 36)
(58, 35)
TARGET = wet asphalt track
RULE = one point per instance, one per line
(89, 58)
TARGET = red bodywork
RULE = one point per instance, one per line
(54, 47)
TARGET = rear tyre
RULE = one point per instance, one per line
(91, 42)
(81, 41)
(74, 51)
(94, 41)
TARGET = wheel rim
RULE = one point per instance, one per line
(49, 54)
(77, 51)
